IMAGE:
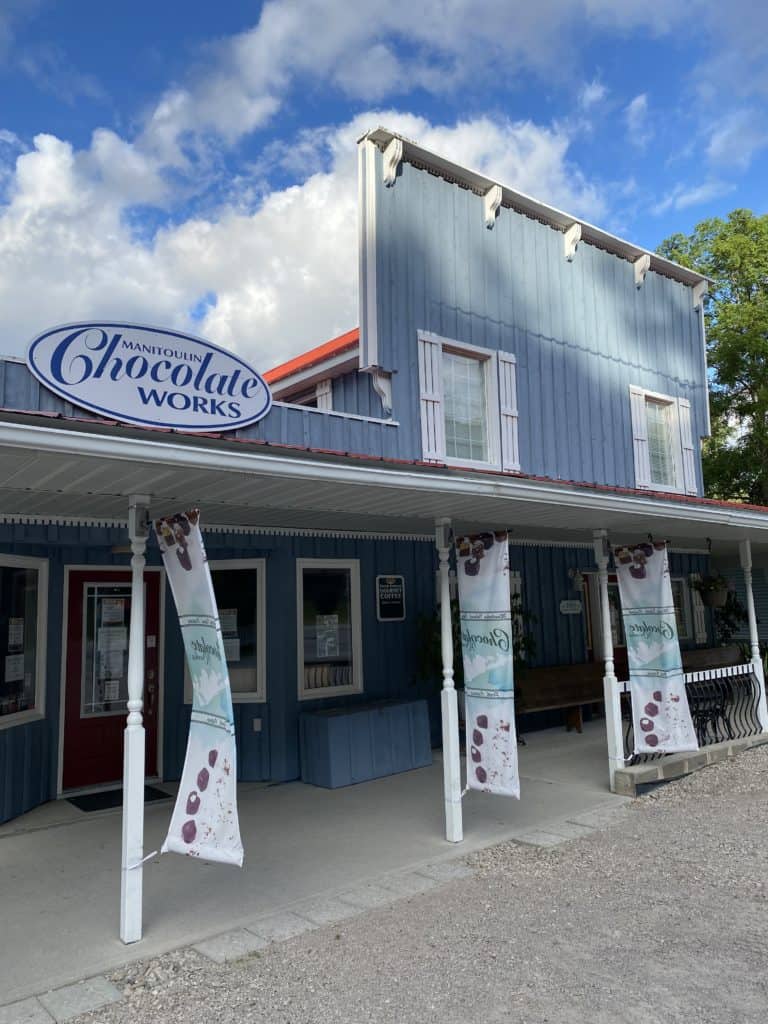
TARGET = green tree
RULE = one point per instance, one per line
(734, 254)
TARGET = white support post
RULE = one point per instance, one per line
(745, 553)
(613, 729)
(454, 832)
(131, 879)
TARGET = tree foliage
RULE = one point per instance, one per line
(734, 254)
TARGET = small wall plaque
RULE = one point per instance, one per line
(390, 598)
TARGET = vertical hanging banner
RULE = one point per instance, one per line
(204, 822)
(660, 712)
(486, 644)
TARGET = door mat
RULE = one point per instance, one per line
(107, 798)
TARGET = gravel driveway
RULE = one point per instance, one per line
(661, 916)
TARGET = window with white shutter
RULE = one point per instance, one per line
(324, 394)
(468, 404)
(662, 442)
(431, 399)
(510, 452)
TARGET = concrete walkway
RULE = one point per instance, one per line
(60, 878)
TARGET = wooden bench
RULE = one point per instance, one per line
(712, 657)
(569, 687)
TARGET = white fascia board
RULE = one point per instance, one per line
(436, 482)
(345, 362)
(366, 245)
(480, 184)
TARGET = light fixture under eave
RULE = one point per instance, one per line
(577, 579)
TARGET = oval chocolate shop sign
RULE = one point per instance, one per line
(150, 376)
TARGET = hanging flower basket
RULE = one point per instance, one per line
(713, 590)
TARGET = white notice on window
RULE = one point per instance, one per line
(111, 689)
(15, 634)
(111, 664)
(113, 638)
(327, 632)
(232, 648)
(228, 618)
(14, 668)
(113, 611)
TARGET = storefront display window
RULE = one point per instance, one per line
(239, 585)
(329, 641)
(23, 595)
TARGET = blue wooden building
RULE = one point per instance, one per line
(515, 368)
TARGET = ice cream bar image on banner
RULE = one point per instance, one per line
(482, 562)
(204, 822)
(660, 714)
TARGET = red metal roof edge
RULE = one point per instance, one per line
(686, 499)
(314, 356)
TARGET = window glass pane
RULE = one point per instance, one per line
(104, 685)
(327, 624)
(466, 415)
(18, 638)
(678, 596)
(236, 596)
(659, 421)
(617, 621)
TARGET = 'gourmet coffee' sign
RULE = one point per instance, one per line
(149, 375)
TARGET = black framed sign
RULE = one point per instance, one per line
(390, 598)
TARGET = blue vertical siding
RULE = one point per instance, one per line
(582, 332)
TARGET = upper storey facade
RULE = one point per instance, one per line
(514, 337)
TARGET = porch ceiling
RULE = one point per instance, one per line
(55, 472)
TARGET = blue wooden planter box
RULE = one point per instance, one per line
(341, 746)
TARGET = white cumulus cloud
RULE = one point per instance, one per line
(267, 281)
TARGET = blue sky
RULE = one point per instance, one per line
(193, 164)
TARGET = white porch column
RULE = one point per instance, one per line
(131, 879)
(745, 554)
(613, 728)
(454, 832)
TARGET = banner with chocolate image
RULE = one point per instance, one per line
(487, 648)
(660, 713)
(204, 822)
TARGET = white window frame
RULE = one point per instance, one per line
(259, 567)
(687, 614)
(488, 358)
(41, 639)
(356, 686)
(683, 451)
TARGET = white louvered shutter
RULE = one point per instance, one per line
(640, 437)
(431, 400)
(510, 452)
(700, 633)
(324, 394)
(686, 440)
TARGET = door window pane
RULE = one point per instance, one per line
(617, 621)
(466, 408)
(327, 622)
(18, 638)
(106, 629)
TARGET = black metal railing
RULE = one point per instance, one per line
(724, 706)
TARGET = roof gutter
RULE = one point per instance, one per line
(132, 450)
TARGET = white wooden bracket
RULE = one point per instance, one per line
(571, 240)
(642, 265)
(382, 385)
(491, 204)
(700, 289)
(393, 154)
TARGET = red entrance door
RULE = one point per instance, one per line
(96, 688)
